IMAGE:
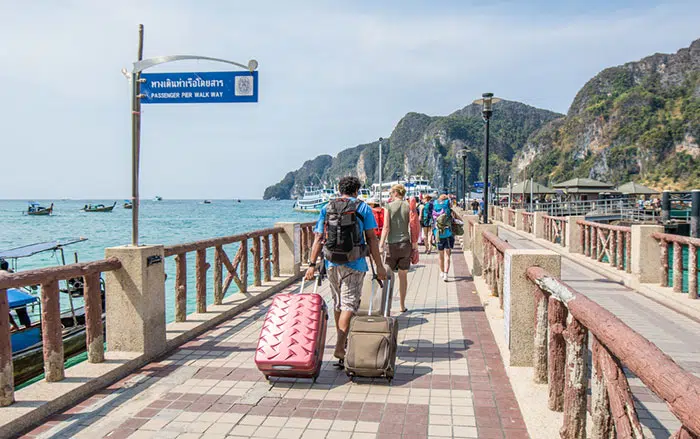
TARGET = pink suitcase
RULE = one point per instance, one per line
(293, 336)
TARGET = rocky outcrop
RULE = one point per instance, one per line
(639, 121)
(426, 145)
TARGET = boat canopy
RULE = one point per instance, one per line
(32, 249)
(17, 298)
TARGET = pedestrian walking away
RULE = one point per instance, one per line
(378, 213)
(442, 220)
(426, 222)
(397, 238)
(345, 234)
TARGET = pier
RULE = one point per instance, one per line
(549, 326)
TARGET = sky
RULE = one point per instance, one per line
(333, 74)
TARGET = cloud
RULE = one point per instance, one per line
(332, 76)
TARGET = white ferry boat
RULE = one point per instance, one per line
(415, 186)
(314, 199)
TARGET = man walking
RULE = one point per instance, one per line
(345, 234)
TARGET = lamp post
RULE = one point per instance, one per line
(462, 153)
(487, 100)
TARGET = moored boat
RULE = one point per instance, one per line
(35, 209)
(206, 202)
(158, 198)
(313, 200)
(128, 204)
(98, 207)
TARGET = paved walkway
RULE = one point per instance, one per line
(450, 382)
(675, 334)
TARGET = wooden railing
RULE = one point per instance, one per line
(680, 245)
(561, 356)
(494, 248)
(555, 229)
(603, 241)
(307, 240)
(511, 216)
(51, 327)
(528, 222)
(265, 265)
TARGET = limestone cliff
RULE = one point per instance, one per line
(639, 121)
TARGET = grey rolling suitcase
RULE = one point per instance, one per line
(373, 340)
(378, 302)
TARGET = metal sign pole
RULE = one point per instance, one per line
(136, 144)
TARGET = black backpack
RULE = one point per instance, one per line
(343, 231)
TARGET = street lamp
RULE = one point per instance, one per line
(462, 153)
(487, 100)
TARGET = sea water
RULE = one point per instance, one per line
(164, 222)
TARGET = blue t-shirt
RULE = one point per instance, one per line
(366, 223)
(439, 206)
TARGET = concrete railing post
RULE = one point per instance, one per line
(468, 239)
(478, 245)
(519, 219)
(290, 248)
(135, 300)
(646, 254)
(518, 300)
(573, 235)
(538, 225)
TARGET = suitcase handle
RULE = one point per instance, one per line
(317, 282)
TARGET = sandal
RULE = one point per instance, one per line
(404, 310)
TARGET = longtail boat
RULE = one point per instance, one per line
(98, 207)
(35, 209)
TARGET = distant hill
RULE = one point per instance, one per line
(639, 121)
(425, 145)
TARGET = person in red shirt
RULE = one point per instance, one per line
(378, 213)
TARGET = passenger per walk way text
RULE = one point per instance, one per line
(676, 335)
(450, 382)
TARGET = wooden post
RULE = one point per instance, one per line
(201, 280)
(7, 380)
(256, 262)
(664, 262)
(677, 267)
(692, 272)
(267, 272)
(575, 398)
(582, 238)
(563, 224)
(218, 280)
(244, 265)
(556, 316)
(628, 250)
(619, 235)
(587, 241)
(539, 359)
(594, 242)
(94, 333)
(51, 331)
(276, 254)
(181, 287)
(611, 247)
(602, 427)
(622, 407)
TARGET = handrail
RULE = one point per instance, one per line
(493, 272)
(604, 226)
(677, 387)
(555, 227)
(599, 241)
(172, 250)
(265, 263)
(678, 243)
(51, 327)
(62, 272)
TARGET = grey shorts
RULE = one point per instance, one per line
(346, 286)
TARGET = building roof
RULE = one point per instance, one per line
(524, 188)
(583, 183)
(632, 188)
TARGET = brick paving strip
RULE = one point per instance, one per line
(450, 382)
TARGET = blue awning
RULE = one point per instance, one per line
(17, 298)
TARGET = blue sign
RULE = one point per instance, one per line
(199, 88)
(480, 184)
